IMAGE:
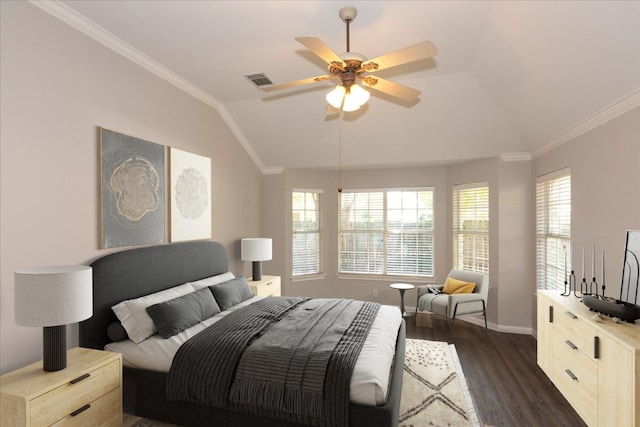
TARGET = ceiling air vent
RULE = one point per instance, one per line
(259, 79)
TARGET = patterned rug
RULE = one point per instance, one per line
(434, 390)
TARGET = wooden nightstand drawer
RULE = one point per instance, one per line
(269, 285)
(102, 412)
(62, 401)
(90, 387)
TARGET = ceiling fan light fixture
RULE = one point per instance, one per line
(335, 96)
(354, 97)
(358, 94)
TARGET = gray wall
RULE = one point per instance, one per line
(58, 86)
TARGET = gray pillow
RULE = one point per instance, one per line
(176, 315)
(116, 332)
(231, 292)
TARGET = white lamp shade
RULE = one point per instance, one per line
(53, 296)
(255, 249)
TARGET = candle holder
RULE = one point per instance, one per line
(570, 286)
(593, 285)
(584, 286)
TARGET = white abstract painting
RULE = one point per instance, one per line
(190, 193)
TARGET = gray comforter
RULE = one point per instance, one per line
(284, 358)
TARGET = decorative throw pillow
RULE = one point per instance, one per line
(231, 292)
(455, 286)
(133, 314)
(176, 315)
(116, 332)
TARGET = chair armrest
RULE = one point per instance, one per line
(429, 288)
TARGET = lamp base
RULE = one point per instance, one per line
(257, 271)
(54, 348)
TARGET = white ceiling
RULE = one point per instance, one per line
(510, 76)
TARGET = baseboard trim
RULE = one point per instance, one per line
(522, 330)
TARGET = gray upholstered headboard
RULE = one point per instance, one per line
(137, 272)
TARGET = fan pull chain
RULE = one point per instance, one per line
(340, 146)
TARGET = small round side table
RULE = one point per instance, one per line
(402, 287)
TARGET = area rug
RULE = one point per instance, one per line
(434, 390)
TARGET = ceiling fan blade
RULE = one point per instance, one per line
(390, 88)
(297, 83)
(422, 50)
(318, 47)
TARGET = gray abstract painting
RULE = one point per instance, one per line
(132, 190)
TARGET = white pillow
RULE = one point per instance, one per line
(133, 313)
(213, 280)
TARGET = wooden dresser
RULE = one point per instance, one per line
(269, 285)
(88, 392)
(595, 365)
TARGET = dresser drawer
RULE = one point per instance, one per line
(105, 411)
(62, 401)
(575, 329)
(266, 287)
(576, 376)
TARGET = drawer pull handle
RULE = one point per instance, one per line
(550, 314)
(596, 347)
(573, 377)
(570, 314)
(80, 410)
(80, 378)
(570, 344)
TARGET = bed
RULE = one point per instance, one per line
(137, 272)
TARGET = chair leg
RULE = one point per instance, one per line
(484, 313)
(453, 321)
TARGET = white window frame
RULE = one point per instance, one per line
(303, 262)
(470, 218)
(382, 231)
(553, 229)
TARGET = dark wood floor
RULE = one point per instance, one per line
(507, 385)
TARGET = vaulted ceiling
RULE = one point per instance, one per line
(510, 76)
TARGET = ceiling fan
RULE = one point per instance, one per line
(352, 67)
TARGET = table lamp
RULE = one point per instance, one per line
(256, 249)
(52, 297)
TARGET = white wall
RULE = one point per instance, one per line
(58, 86)
(605, 191)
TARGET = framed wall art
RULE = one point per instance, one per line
(190, 195)
(132, 186)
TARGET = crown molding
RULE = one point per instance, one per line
(515, 157)
(611, 112)
(111, 41)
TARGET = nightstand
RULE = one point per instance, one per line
(269, 285)
(87, 392)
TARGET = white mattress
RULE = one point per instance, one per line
(369, 381)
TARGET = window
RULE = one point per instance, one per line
(471, 227)
(553, 229)
(306, 238)
(386, 232)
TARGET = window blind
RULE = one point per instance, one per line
(553, 230)
(386, 232)
(471, 227)
(306, 233)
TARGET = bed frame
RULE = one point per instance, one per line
(137, 272)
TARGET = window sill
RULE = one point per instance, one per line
(307, 277)
(380, 278)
